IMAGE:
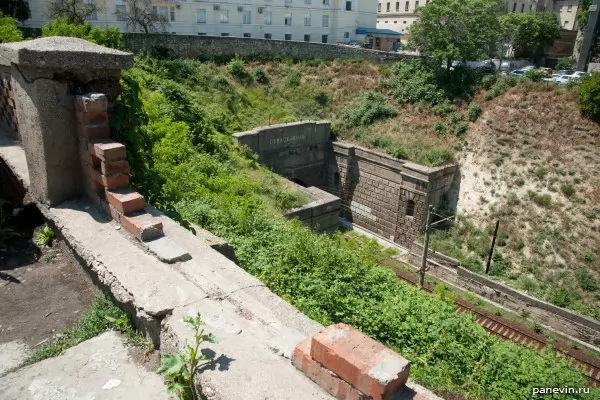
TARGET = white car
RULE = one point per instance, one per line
(563, 79)
(579, 74)
(528, 68)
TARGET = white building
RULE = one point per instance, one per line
(322, 21)
(400, 15)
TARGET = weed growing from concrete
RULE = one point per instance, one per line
(45, 237)
(180, 368)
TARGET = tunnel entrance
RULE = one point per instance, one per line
(299, 182)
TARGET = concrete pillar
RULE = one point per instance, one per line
(46, 74)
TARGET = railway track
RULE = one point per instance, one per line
(508, 330)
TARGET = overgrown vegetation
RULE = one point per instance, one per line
(108, 36)
(103, 315)
(209, 181)
(8, 30)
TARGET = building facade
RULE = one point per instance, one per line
(322, 21)
(400, 15)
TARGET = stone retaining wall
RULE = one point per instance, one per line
(217, 47)
(321, 214)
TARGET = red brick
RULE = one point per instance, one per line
(335, 386)
(366, 364)
(125, 200)
(111, 181)
(142, 225)
(91, 102)
(93, 132)
(114, 167)
(92, 118)
(108, 150)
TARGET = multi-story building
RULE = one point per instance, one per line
(322, 21)
(400, 15)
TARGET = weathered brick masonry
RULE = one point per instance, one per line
(384, 195)
(106, 169)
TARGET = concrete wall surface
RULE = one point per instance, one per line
(322, 213)
(209, 47)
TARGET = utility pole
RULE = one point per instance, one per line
(487, 266)
(588, 36)
(425, 248)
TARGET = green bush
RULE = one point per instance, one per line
(261, 76)
(565, 63)
(488, 81)
(567, 189)
(587, 281)
(461, 128)
(109, 36)
(589, 96)
(371, 107)
(474, 112)
(293, 77)
(535, 75)
(412, 82)
(237, 69)
(8, 30)
(439, 128)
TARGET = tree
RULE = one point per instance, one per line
(528, 34)
(108, 36)
(589, 96)
(457, 29)
(74, 11)
(141, 16)
(8, 30)
(17, 9)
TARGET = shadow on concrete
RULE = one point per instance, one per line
(82, 204)
(220, 363)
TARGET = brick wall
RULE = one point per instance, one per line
(8, 118)
(217, 47)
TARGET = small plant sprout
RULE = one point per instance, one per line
(180, 368)
(45, 237)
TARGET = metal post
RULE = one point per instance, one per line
(588, 37)
(487, 266)
(425, 248)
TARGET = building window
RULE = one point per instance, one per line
(268, 36)
(565, 24)
(325, 21)
(288, 36)
(121, 12)
(397, 6)
(386, 22)
(201, 16)
(514, 7)
(378, 7)
(348, 6)
(404, 22)
(416, 4)
(288, 19)
(268, 17)
(410, 208)
(522, 7)
(247, 18)
(325, 2)
(172, 11)
(530, 7)
(406, 6)
(165, 11)
(307, 20)
(307, 38)
(201, 33)
(247, 35)
(336, 179)
(346, 35)
(569, 8)
(93, 16)
(323, 38)
(307, 1)
(387, 7)
(224, 17)
(224, 34)
(559, 8)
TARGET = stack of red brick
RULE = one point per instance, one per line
(106, 169)
(350, 365)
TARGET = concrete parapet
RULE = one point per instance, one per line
(45, 75)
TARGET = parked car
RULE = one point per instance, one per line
(546, 71)
(528, 68)
(517, 72)
(563, 79)
(579, 74)
(563, 72)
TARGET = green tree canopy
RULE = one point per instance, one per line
(457, 29)
(8, 30)
(529, 33)
(17, 9)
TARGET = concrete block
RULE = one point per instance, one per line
(366, 364)
(167, 250)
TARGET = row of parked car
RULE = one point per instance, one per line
(562, 76)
